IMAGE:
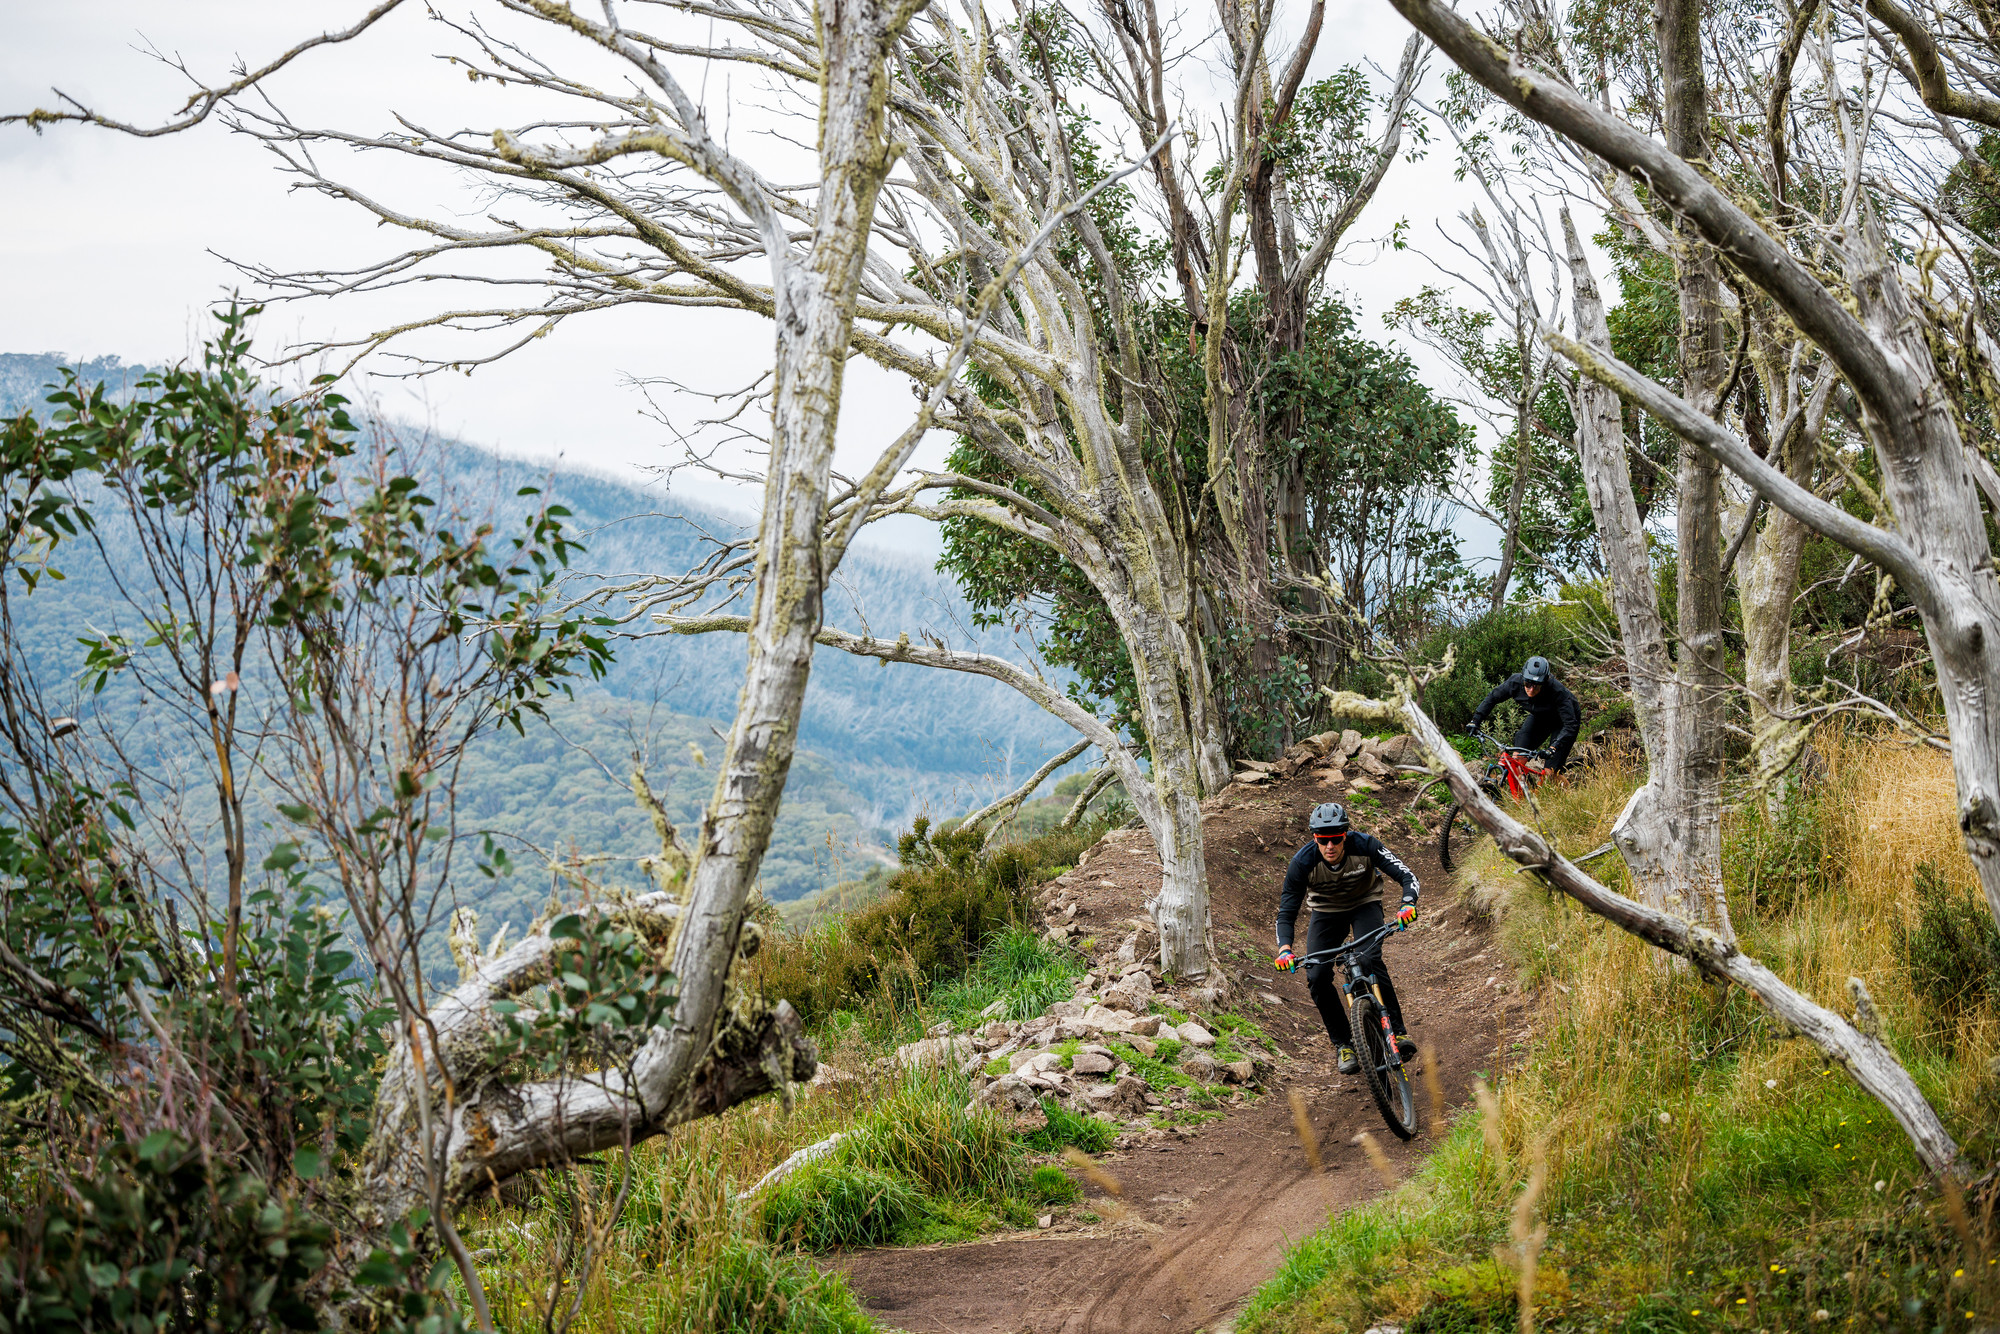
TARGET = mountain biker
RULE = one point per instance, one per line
(1551, 709)
(1338, 877)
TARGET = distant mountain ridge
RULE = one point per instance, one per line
(879, 744)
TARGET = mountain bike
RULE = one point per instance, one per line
(1374, 1038)
(1508, 772)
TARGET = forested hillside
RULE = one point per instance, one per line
(883, 744)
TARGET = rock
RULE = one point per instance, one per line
(940, 1030)
(1371, 766)
(1068, 1009)
(1200, 1065)
(1208, 999)
(1044, 1061)
(1127, 1096)
(1144, 1046)
(933, 1052)
(1107, 1020)
(827, 1076)
(1090, 1063)
(1133, 994)
(999, 1030)
(1146, 1025)
(1401, 749)
(1349, 743)
(1070, 1030)
(1195, 1035)
(1322, 743)
(1041, 1023)
(1021, 1058)
(1009, 1093)
(1045, 1221)
(1056, 935)
(1128, 950)
(1270, 998)
(1250, 776)
(1286, 767)
(1361, 785)
(1256, 766)
(1239, 1072)
(973, 1064)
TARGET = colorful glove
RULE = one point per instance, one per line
(1285, 962)
(1408, 914)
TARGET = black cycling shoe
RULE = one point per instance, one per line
(1406, 1046)
(1348, 1065)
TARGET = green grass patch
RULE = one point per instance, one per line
(1161, 1075)
(1049, 1184)
(1068, 1128)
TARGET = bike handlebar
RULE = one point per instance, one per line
(1501, 746)
(1356, 946)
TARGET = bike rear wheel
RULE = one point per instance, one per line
(1383, 1069)
(1458, 836)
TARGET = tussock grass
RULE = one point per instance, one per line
(1698, 1159)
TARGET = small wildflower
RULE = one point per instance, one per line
(1741, 1300)
(1665, 1117)
(1881, 1185)
(1695, 1311)
(1770, 1083)
(1958, 1273)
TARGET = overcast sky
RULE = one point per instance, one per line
(115, 245)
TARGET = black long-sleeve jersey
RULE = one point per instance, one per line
(1555, 701)
(1311, 881)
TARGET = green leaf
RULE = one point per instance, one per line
(283, 857)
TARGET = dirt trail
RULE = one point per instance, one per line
(1207, 1219)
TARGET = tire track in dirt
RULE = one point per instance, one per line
(1202, 1221)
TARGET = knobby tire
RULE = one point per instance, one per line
(1459, 834)
(1386, 1080)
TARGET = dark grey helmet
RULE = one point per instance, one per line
(1329, 817)
(1537, 669)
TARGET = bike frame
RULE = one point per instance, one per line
(1510, 766)
(1342, 957)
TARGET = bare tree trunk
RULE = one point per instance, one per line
(1696, 745)
(1767, 582)
(1510, 544)
(1939, 554)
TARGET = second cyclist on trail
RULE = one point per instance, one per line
(1338, 878)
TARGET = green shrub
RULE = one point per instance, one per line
(1049, 1184)
(1066, 1128)
(745, 1288)
(1490, 649)
(836, 1202)
(1953, 950)
(941, 910)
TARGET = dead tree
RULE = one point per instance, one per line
(1886, 347)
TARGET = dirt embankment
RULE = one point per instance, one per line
(1201, 1221)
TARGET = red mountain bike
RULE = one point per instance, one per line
(1510, 771)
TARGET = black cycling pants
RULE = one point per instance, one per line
(1328, 929)
(1537, 730)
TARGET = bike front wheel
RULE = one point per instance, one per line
(1458, 836)
(1382, 1068)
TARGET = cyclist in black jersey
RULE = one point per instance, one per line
(1338, 878)
(1552, 711)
